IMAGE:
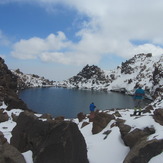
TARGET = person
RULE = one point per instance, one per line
(92, 107)
(138, 97)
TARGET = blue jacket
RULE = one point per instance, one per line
(139, 94)
(92, 107)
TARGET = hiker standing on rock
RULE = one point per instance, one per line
(92, 114)
(92, 107)
(138, 97)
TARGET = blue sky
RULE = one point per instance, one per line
(57, 38)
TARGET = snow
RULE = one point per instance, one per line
(157, 159)
(28, 156)
(101, 148)
(112, 149)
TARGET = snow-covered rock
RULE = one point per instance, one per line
(31, 80)
(143, 69)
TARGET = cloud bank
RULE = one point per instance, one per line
(113, 27)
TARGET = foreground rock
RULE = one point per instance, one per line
(8, 153)
(143, 151)
(158, 116)
(50, 141)
(100, 121)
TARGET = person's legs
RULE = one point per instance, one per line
(140, 106)
(136, 106)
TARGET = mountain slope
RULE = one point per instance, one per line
(142, 69)
(31, 80)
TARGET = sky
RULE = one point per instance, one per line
(57, 38)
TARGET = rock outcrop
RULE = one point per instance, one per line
(143, 151)
(8, 88)
(158, 116)
(89, 74)
(51, 141)
(31, 80)
(8, 153)
(100, 121)
(3, 116)
(141, 69)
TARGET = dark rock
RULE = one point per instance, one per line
(106, 133)
(143, 151)
(8, 88)
(91, 116)
(4, 117)
(158, 92)
(89, 72)
(158, 116)
(60, 118)
(2, 138)
(117, 114)
(81, 116)
(157, 74)
(133, 137)
(126, 68)
(84, 124)
(8, 153)
(50, 141)
(14, 117)
(124, 129)
(46, 116)
(148, 109)
(129, 81)
(100, 122)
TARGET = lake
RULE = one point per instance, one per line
(69, 102)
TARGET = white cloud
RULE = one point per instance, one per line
(34, 47)
(110, 29)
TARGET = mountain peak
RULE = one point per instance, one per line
(143, 69)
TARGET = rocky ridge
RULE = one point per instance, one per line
(142, 69)
(31, 80)
(8, 88)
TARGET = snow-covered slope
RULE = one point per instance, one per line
(112, 149)
(142, 69)
(102, 149)
(31, 80)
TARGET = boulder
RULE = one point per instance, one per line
(117, 114)
(100, 121)
(50, 141)
(8, 153)
(46, 116)
(148, 109)
(14, 117)
(143, 151)
(133, 137)
(158, 116)
(3, 117)
(91, 116)
(124, 129)
(84, 124)
(81, 116)
(60, 118)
